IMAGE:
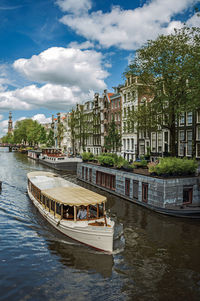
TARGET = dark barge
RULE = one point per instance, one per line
(177, 196)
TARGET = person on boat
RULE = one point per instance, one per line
(82, 213)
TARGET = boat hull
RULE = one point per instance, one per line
(98, 237)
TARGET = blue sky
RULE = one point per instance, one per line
(55, 53)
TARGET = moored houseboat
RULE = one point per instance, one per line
(61, 202)
(58, 160)
(175, 196)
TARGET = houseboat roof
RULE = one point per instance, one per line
(63, 191)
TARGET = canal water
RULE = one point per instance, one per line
(157, 259)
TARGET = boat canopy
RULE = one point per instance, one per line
(63, 191)
(74, 196)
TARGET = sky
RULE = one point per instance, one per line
(56, 53)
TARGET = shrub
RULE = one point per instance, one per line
(86, 156)
(106, 160)
(174, 166)
(119, 162)
(142, 164)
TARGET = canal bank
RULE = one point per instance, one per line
(178, 196)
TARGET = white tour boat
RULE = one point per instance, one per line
(59, 201)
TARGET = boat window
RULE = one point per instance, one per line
(58, 208)
(187, 194)
(52, 205)
(47, 202)
(68, 212)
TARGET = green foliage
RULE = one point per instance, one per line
(173, 166)
(127, 166)
(86, 156)
(50, 139)
(106, 160)
(29, 131)
(142, 163)
(113, 139)
(169, 74)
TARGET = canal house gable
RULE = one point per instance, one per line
(149, 191)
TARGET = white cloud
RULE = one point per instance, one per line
(41, 118)
(128, 29)
(76, 7)
(194, 21)
(84, 45)
(3, 127)
(55, 97)
(65, 66)
(1, 117)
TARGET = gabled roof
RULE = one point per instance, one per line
(108, 95)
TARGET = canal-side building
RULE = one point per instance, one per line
(134, 143)
(62, 131)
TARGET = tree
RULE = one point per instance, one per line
(29, 131)
(72, 124)
(113, 139)
(169, 69)
(60, 134)
(50, 139)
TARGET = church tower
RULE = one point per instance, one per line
(10, 123)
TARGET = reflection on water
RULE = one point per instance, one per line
(159, 261)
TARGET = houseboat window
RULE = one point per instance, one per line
(187, 195)
(105, 180)
(58, 208)
(86, 173)
(127, 187)
(145, 192)
(90, 174)
(135, 189)
(83, 172)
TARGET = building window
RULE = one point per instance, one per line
(128, 144)
(127, 187)
(124, 112)
(145, 192)
(187, 195)
(124, 144)
(198, 150)
(132, 144)
(141, 149)
(153, 137)
(198, 133)
(189, 143)
(181, 143)
(160, 142)
(198, 116)
(124, 97)
(189, 118)
(182, 119)
(135, 190)
(166, 137)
